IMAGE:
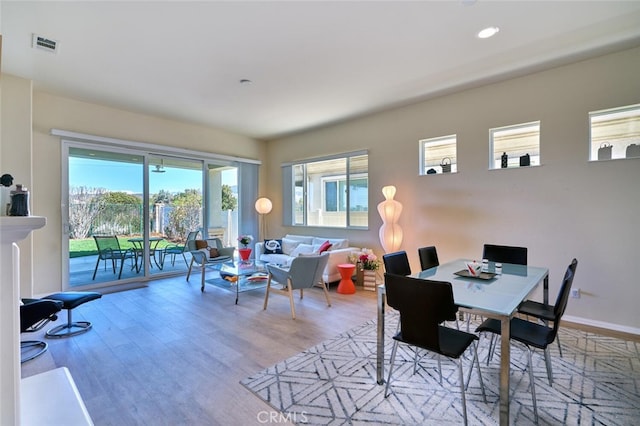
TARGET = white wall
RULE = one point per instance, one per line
(568, 207)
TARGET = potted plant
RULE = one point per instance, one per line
(367, 263)
(244, 251)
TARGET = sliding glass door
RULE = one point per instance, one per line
(104, 198)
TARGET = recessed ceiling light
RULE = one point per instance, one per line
(488, 32)
(245, 81)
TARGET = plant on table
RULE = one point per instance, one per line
(245, 240)
(365, 260)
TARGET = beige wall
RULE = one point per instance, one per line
(568, 207)
(51, 111)
(15, 155)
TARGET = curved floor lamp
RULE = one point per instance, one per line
(390, 232)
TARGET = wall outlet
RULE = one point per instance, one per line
(575, 293)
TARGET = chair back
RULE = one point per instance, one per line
(423, 306)
(428, 257)
(565, 290)
(106, 243)
(505, 254)
(192, 235)
(397, 263)
(306, 271)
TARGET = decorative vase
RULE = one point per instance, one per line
(244, 254)
(369, 279)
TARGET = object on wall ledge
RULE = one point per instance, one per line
(504, 160)
(604, 152)
(525, 160)
(19, 202)
(446, 165)
(633, 150)
(6, 181)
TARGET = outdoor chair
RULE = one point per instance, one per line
(304, 272)
(175, 249)
(109, 250)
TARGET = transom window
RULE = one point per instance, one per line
(515, 146)
(615, 133)
(438, 155)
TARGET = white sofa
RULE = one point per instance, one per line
(295, 245)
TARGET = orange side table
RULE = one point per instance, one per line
(346, 285)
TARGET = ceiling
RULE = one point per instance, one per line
(310, 63)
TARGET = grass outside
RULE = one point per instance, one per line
(87, 246)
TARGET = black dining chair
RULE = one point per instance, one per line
(396, 263)
(428, 257)
(534, 335)
(423, 306)
(505, 254)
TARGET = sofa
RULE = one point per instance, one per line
(283, 250)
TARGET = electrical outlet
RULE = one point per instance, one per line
(575, 293)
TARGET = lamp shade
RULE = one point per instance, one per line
(390, 232)
(263, 205)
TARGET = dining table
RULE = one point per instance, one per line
(496, 295)
(138, 248)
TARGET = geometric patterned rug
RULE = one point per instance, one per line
(596, 382)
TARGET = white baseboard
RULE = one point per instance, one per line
(602, 324)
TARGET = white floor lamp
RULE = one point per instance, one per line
(390, 232)
(263, 207)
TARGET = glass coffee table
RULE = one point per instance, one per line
(243, 276)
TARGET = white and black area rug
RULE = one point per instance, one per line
(596, 382)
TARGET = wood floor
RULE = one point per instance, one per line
(168, 354)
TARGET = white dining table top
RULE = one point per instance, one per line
(500, 295)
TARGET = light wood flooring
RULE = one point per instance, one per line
(167, 354)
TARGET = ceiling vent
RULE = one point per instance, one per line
(39, 42)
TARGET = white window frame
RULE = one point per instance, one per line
(617, 127)
(433, 152)
(505, 134)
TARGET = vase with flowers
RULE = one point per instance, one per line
(367, 263)
(244, 251)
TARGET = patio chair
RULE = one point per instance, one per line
(175, 249)
(109, 249)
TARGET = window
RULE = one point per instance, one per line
(515, 146)
(615, 133)
(332, 191)
(438, 155)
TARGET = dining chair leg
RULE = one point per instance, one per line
(559, 347)
(440, 368)
(532, 385)
(415, 360)
(464, 399)
(393, 360)
(547, 361)
(491, 349)
(477, 362)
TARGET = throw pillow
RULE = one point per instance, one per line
(213, 252)
(302, 249)
(272, 246)
(201, 244)
(324, 247)
(288, 246)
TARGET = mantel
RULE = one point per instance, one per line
(17, 228)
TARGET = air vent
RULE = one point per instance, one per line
(44, 43)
